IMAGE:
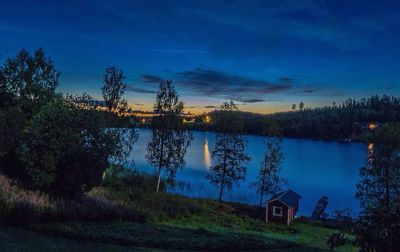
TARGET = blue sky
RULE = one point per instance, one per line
(265, 55)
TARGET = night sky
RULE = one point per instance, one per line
(263, 54)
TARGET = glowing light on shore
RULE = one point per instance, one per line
(370, 152)
(207, 156)
(372, 126)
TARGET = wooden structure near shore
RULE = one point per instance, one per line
(282, 207)
(319, 209)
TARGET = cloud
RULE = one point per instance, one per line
(231, 86)
(210, 106)
(140, 90)
(309, 89)
(149, 78)
(249, 100)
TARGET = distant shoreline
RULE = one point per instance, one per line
(340, 140)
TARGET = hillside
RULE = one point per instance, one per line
(122, 218)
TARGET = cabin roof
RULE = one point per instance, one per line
(288, 197)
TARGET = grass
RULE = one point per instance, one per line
(22, 207)
(171, 221)
(17, 239)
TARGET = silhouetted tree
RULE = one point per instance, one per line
(66, 148)
(229, 154)
(269, 181)
(378, 226)
(301, 106)
(27, 83)
(294, 106)
(169, 142)
(113, 89)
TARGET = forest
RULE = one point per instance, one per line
(335, 122)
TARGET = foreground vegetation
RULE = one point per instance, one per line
(118, 213)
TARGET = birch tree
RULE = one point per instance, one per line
(229, 155)
(113, 89)
(169, 142)
(268, 180)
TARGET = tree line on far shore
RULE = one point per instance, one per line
(63, 144)
(337, 121)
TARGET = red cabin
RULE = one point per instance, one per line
(282, 207)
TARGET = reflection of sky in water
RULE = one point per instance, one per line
(313, 168)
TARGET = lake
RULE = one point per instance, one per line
(313, 168)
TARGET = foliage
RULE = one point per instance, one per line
(172, 221)
(378, 225)
(113, 89)
(268, 180)
(21, 206)
(229, 152)
(328, 122)
(27, 82)
(120, 178)
(169, 142)
(66, 150)
(337, 239)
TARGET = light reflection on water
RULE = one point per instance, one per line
(313, 169)
(207, 156)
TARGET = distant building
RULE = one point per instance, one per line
(282, 207)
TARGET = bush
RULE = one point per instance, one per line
(336, 240)
(21, 207)
(66, 150)
(119, 178)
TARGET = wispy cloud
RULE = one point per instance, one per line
(140, 90)
(230, 86)
(149, 78)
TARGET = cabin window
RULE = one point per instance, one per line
(277, 211)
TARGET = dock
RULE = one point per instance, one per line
(320, 208)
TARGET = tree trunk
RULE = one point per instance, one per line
(160, 161)
(262, 187)
(221, 191)
(223, 175)
(159, 180)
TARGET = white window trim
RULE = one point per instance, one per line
(274, 213)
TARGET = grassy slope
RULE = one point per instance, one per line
(17, 239)
(173, 222)
(178, 222)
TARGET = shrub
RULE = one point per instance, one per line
(336, 240)
(66, 149)
(121, 179)
(21, 207)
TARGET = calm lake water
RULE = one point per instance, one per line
(313, 168)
